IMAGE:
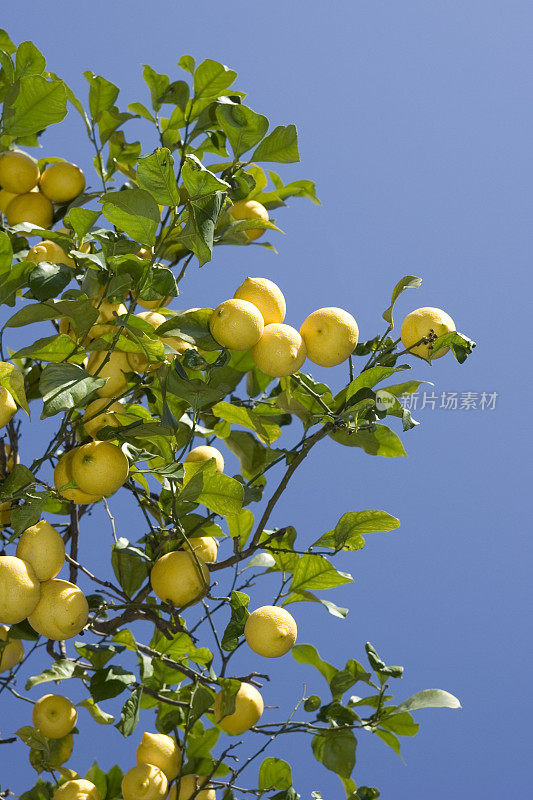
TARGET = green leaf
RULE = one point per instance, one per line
(197, 393)
(198, 180)
(52, 348)
(347, 677)
(102, 94)
(239, 614)
(352, 526)
(157, 84)
(97, 654)
(316, 572)
(214, 490)
(19, 478)
(461, 346)
(130, 565)
(32, 104)
(307, 654)
(212, 78)
(110, 682)
(6, 253)
(274, 773)
(280, 145)
(58, 671)
(99, 778)
(379, 666)
(12, 379)
(408, 282)
(240, 526)
(133, 211)
(48, 280)
(428, 698)
(81, 312)
(192, 327)
(334, 610)
(243, 127)
(400, 723)
(98, 714)
(198, 233)
(389, 738)
(64, 386)
(129, 716)
(366, 380)
(380, 441)
(33, 738)
(155, 174)
(30, 61)
(240, 415)
(335, 748)
(187, 63)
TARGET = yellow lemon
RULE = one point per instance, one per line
(32, 207)
(78, 789)
(265, 296)
(61, 612)
(205, 452)
(43, 548)
(106, 318)
(99, 468)
(280, 351)
(54, 715)
(270, 631)
(5, 199)
(161, 751)
(205, 548)
(236, 324)
(422, 323)
(20, 589)
(95, 418)
(62, 182)
(63, 476)
(113, 370)
(330, 335)
(13, 652)
(189, 785)
(5, 514)
(51, 252)
(9, 459)
(19, 173)
(144, 782)
(150, 305)
(248, 709)
(249, 209)
(7, 406)
(179, 579)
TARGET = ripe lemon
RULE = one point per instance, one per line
(10, 460)
(19, 173)
(421, 323)
(106, 318)
(54, 715)
(266, 296)
(330, 335)
(248, 709)
(113, 370)
(20, 589)
(205, 548)
(63, 476)
(5, 514)
(61, 612)
(7, 406)
(270, 631)
(51, 252)
(43, 548)
(161, 751)
(62, 182)
(204, 452)
(99, 468)
(189, 785)
(78, 789)
(150, 305)
(144, 782)
(236, 324)
(280, 350)
(94, 421)
(32, 207)
(249, 209)
(13, 652)
(179, 579)
(5, 199)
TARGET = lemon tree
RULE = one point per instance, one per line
(199, 418)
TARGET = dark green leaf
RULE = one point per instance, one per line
(335, 749)
(110, 682)
(243, 127)
(129, 716)
(130, 565)
(239, 614)
(460, 345)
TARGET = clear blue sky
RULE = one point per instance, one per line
(416, 122)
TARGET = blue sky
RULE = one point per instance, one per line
(415, 121)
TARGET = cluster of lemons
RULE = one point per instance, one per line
(253, 320)
(27, 195)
